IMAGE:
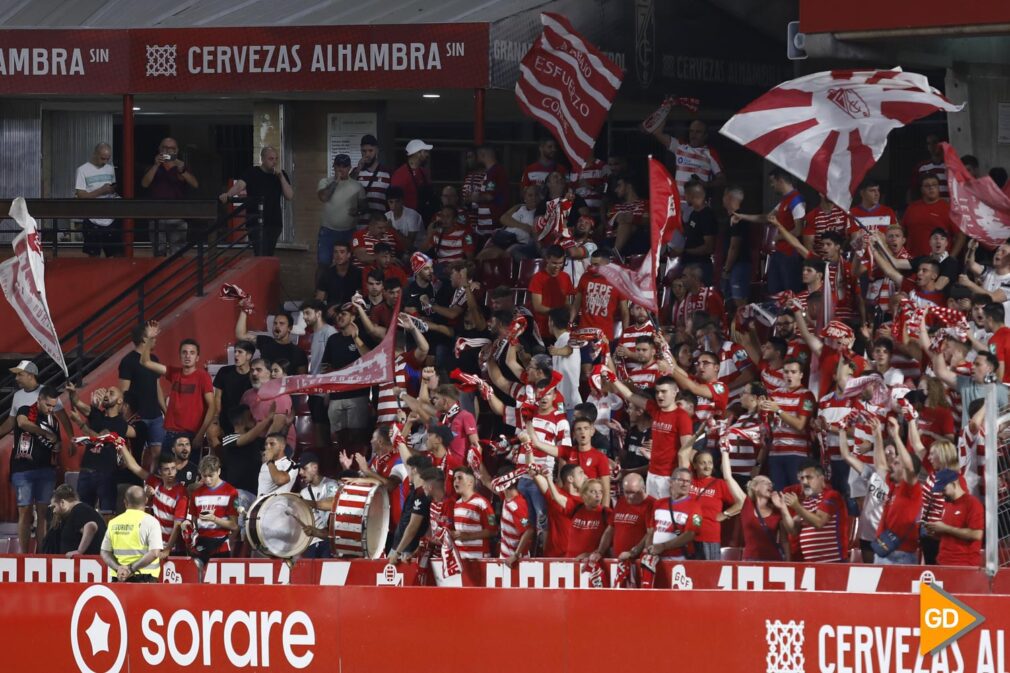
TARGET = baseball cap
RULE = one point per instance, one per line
(342, 160)
(944, 477)
(308, 457)
(415, 146)
(26, 366)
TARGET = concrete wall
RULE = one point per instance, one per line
(974, 130)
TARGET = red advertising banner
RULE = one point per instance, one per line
(91, 569)
(247, 60)
(818, 16)
(114, 628)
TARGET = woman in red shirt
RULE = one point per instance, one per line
(761, 519)
(718, 502)
(589, 521)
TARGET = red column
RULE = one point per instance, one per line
(478, 116)
(126, 170)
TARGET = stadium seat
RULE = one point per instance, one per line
(494, 273)
(634, 261)
(527, 269)
(732, 553)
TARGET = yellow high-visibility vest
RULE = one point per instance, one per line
(127, 546)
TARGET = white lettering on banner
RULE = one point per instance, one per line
(296, 631)
(559, 575)
(762, 578)
(241, 572)
(513, 52)
(376, 57)
(334, 573)
(846, 648)
(40, 61)
(252, 59)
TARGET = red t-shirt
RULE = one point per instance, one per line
(999, 345)
(713, 496)
(965, 512)
(593, 462)
(554, 292)
(938, 420)
(186, 404)
(559, 523)
(630, 523)
(760, 542)
(921, 219)
(463, 425)
(600, 300)
(409, 180)
(901, 513)
(586, 530)
(828, 366)
(668, 428)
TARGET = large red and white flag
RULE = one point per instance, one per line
(829, 128)
(375, 367)
(568, 85)
(22, 278)
(977, 205)
(639, 286)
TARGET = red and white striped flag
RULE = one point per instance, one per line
(639, 286)
(567, 85)
(23, 280)
(977, 205)
(829, 128)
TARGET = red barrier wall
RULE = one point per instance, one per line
(115, 628)
(209, 319)
(75, 287)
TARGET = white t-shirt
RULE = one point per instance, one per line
(347, 196)
(527, 217)
(266, 485)
(90, 177)
(326, 489)
(409, 224)
(24, 398)
(873, 504)
(992, 281)
(570, 366)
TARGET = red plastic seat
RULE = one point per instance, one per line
(527, 269)
(494, 273)
(732, 553)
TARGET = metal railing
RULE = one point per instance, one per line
(181, 276)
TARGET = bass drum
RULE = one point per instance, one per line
(274, 525)
(360, 520)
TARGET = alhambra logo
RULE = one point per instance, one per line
(161, 60)
(785, 646)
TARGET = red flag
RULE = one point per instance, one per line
(664, 218)
(375, 367)
(977, 206)
(567, 85)
(22, 278)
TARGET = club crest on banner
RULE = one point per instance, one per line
(98, 634)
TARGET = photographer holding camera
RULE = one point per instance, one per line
(168, 179)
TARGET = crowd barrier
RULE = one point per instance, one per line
(534, 573)
(112, 628)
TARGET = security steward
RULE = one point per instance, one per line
(132, 542)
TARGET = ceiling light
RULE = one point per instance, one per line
(431, 95)
(135, 108)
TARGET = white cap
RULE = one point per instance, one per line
(26, 366)
(415, 146)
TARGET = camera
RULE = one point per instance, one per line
(167, 157)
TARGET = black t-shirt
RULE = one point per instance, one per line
(241, 464)
(740, 230)
(103, 457)
(70, 531)
(700, 224)
(635, 440)
(143, 383)
(416, 503)
(468, 361)
(339, 289)
(137, 444)
(33, 452)
(265, 188)
(950, 268)
(231, 384)
(271, 350)
(341, 351)
(188, 475)
(442, 296)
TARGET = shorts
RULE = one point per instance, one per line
(34, 487)
(353, 413)
(317, 409)
(94, 486)
(657, 486)
(155, 430)
(327, 239)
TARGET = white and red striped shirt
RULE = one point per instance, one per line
(785, 440)
(971, 458)
(771, 379)
(473, 516)
(706, 299)
(219, 501)
(168, 505)
(389, 393)
(835, 411)
(375, 183)
(827, 543)
(363, 239)
(628, 338)
(819, 223)
(644, 377)
(929, 168)
(877, 219)
(733, 361)
(882, 288)
(712, 408)
(701, 162)
(472, 184)
(550, 428)
(515, 520)
(594, 174)
(743, 452)
(638, 209)
(452, 245)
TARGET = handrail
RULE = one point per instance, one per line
(176, 279)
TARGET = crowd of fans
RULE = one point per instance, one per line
(812, 388)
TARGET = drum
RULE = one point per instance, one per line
(274, 525)
(360, 520)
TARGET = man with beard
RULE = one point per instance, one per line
(187, 472)
(314, 315)
(278, 408)
(818, 517)
(414, 179)
(348, 410)
(597, 302)
(278, 347)
(373, 177)
(36, 439)
(191, 402)
(230, 383)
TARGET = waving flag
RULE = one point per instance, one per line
(664, 218)
(977, 205)
(22, 278)
(567, 85)
(829, 128)
(375, 367)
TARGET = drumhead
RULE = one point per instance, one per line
(274, 526)
(377, 523)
